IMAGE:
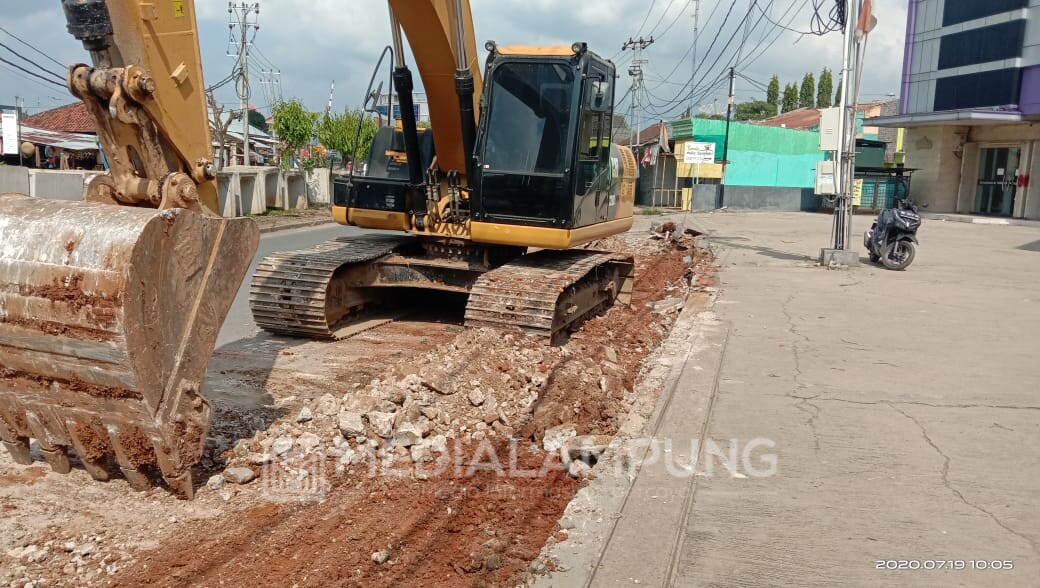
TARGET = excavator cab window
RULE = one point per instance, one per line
(529, 118)
(526, 155)
(593, 169)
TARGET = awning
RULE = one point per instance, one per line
(950, 117)
(59, 139)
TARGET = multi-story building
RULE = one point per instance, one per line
(970, 103)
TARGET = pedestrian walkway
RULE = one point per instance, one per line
(900, 410)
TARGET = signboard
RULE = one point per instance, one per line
(857, 192)
(10, 132)
(699, 152)
(381, 110)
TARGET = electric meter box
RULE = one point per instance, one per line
(825, 184)
(830, 129)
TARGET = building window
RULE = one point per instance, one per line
(958, 11)
(978, 90)
(982, 45)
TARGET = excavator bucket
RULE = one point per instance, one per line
(108, 318)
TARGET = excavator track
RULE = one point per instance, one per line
(548, 292)
(307, 293)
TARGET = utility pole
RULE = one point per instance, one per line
(18, 102)
(636, 72)
(847, 110)
(244, 15)
(693, 60)
(856, 30)
(721, 201)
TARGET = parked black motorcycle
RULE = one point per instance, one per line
(892, 239)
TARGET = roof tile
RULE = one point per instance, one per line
(71, 118)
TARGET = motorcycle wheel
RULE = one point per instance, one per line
(899, 255)
(874, 258)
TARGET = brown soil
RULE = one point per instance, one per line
(69, 291)
(94, 439)
(61, 329)
(446, 531)
(137, 445)
(26, 476)
(73, 384)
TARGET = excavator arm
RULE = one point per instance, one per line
(438, 29)
(110, 308)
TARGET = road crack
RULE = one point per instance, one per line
(803, 403)
(926, 404)
(946, 481)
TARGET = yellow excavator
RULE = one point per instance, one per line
(110, 307)
(535, 169)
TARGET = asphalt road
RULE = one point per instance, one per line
(239, 323)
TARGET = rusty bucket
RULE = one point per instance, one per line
(108, 318)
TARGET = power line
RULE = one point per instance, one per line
(28, 79)
(37, 65)
(16, 38)
(636, 71)
(682, 97)
(779, 34)
(33, 74)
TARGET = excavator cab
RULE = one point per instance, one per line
(544, 149)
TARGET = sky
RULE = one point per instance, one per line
(313, 42)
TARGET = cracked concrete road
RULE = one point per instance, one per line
(905, 408)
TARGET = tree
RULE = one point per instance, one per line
(790, 101)
(837, 95)
(257, 120)
(294, 126)
(826, 86)
(807, 95)
(754, 110)
(338, 131)
(773, 93)
(220, 128)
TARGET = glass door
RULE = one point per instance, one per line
(998, 180)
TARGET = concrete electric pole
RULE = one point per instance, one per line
(693, 59)
(244, 15)
(859, 21)
(636, 72)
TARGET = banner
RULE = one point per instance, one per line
(10, 132)
(699, 152)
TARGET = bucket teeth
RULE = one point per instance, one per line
(91, 444)
(19, 450)
(57, 458)
(97, 445)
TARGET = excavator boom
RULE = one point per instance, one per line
(110, 308)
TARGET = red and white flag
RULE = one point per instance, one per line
(866, 19)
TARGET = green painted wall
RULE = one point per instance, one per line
(759, 155)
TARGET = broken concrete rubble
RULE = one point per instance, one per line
(239, 475)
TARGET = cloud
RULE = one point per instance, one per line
(314, 42)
